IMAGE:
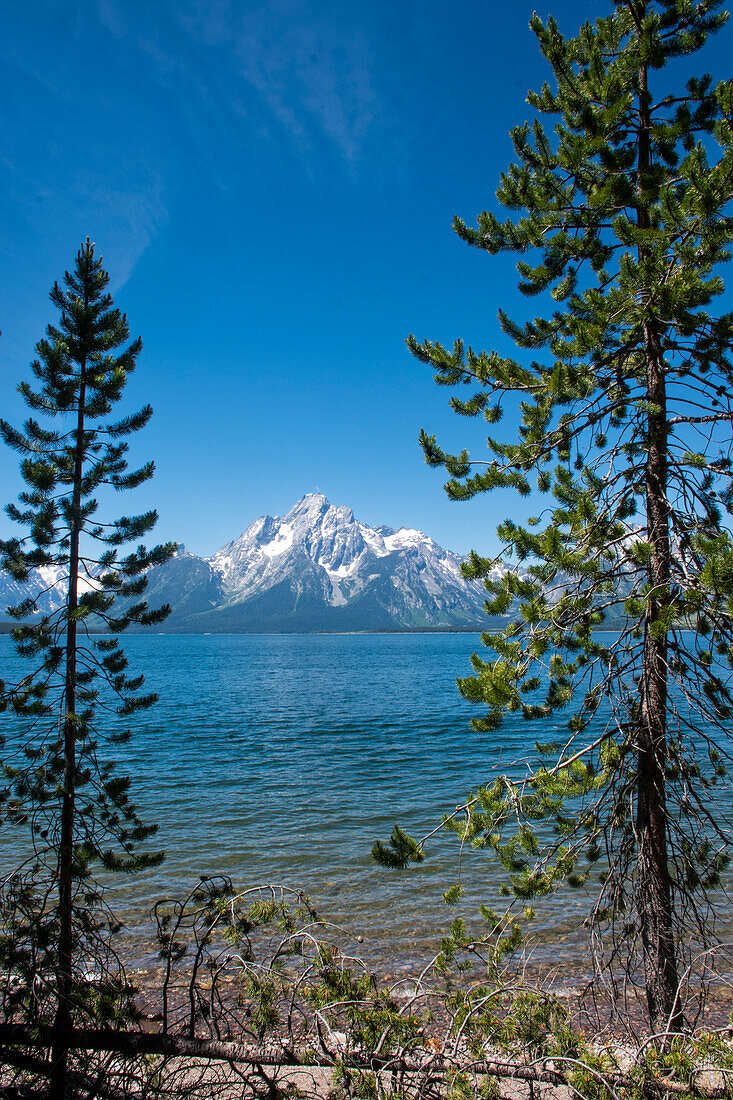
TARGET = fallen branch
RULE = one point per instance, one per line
(135, 1043)
(42, 1068)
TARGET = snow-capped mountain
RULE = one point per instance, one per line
(46, 585)
(317, 568)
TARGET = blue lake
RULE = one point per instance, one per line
(281, 758)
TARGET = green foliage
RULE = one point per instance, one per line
(260, 969)
(77, 813)
(401, 851)
(622, 390)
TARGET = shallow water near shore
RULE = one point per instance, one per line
(281, 758)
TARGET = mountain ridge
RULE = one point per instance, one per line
(316, 569)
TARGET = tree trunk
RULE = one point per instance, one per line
(654, 883)
(555, 1071)
(63, 1022)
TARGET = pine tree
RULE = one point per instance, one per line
(78, 811)
(623, 389)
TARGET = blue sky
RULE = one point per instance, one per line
(272, 186)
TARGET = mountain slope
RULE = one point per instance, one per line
(46, 586)
(319, 568)
(316, 569)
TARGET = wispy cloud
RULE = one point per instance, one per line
(66, 173)
(94, 142)
(58, 199)
(303, 68)
(313, 74)
(128, 213)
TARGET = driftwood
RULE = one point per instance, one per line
(135, 1043)
(42, 1068)
(227, 957)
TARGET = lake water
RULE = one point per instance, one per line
(281, 758)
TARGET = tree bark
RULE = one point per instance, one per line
(63, 1022)
(653, 881)
(543, 1069)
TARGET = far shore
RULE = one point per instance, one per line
(610, 628)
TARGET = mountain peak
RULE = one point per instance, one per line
(320, 556)
(317, 568)
(309, 504)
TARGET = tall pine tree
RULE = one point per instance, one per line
(623, 389)
(78, 811)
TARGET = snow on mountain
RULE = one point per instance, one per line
(412, 579)
(316, 568)
(46, 585)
